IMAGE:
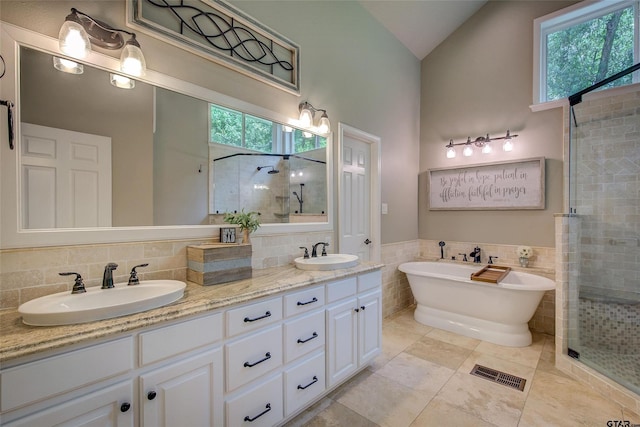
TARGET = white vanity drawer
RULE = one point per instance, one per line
(179, 338)
(368, 281)
(303, 383)
(303, 335)
(303, 301)
(341, 289)
(260, 406)
(253, 316)
(55, 375)
(253, 356)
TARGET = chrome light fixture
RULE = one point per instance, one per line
(483, 142)
(80, 31)
(307, 111)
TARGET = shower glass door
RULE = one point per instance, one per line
(604, 236)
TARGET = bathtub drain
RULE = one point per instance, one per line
(499, 377)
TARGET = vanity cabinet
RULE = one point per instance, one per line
(258, 364)
(183, 393)
(178, 375)
(354, 325)
(109, 407)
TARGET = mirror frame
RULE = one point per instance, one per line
(13, 236)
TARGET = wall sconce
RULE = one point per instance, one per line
(80, 31)
(483, 142)
(307, 111)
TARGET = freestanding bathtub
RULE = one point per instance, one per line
(448, 299)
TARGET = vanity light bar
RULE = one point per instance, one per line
(483, 142)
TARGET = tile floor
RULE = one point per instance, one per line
(422, 379)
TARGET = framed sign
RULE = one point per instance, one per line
(490, 186)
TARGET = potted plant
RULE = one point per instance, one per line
(247, 221)
(524, 253)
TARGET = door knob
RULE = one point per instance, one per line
(367, 242)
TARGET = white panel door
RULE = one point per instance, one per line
(65, 178)
(355, 223)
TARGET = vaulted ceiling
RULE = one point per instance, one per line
(421, 25)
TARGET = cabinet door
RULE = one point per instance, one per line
(369, 327)
(186, 393)
(109, 407)
(342, 336)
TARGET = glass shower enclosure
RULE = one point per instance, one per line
(604, 234)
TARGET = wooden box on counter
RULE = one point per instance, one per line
(218, 263)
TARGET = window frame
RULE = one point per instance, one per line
(564, 18)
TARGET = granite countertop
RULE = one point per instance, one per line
(19, 340)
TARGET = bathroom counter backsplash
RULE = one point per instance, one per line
(19, 340)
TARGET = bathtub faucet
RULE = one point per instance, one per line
(476, 255)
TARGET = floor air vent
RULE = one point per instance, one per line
(499, 377)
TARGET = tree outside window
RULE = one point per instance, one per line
(582, 52)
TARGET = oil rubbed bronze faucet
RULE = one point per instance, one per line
(314, 251)
(107, 277)
(476, 255)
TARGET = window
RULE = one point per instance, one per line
(231, 127)
(584, 44)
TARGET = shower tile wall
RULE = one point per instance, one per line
(608, 195)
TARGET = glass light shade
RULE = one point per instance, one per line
(67, 66)
(122, 82)
(132, 60)
(451, 152)
(73, 40)
(507, 145)
(306, 117)
(468, 150)
(486, 148)
(325, 125)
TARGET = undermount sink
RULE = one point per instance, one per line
(328, 262)
(65, 308)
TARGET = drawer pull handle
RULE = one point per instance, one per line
(125, 407)
(267, 356)
(248, 418)
(357, 310)
(314, 299)
(302, 387)
(362, 307)
(267, 314)
(301, 341)
(151, 395)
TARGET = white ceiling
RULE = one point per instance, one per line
(421, 25)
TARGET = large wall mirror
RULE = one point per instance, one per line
(95, 162)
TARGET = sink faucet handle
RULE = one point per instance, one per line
(464, 257)
(133, 277)
(324, 249)
(306, 252)
(78, 286)
(491, 258)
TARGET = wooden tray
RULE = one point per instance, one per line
(491, 274)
